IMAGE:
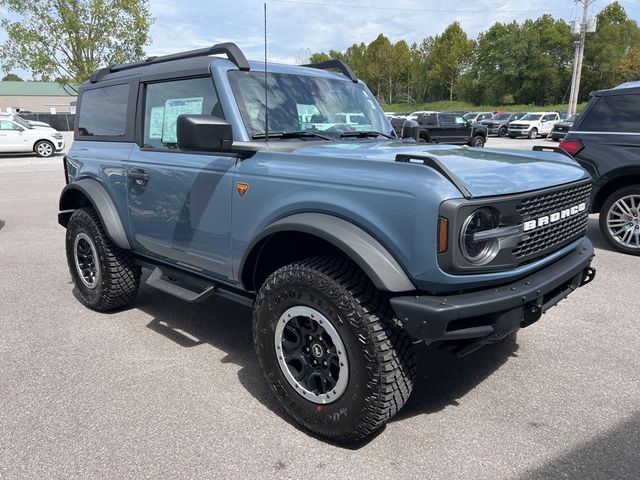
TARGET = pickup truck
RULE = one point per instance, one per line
(349, 244)
(445, 127)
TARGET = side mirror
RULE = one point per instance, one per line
(410, 129)
(468, 123)
(204, 133)
(544, 120)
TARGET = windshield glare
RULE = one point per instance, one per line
(306, 103)
(572, 118)
(530, 116)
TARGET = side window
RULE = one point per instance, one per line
(164, 101)
(7, 125)
(614, 113)
(459, 120)
(549, 117)
(103, 111)
(446, 119)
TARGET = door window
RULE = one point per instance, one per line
(7, 125)
(164, 101)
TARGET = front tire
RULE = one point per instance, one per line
(503, 132)
(326, 310)
(44, 148)
(104, 274)
(533, 134)
(620, 220)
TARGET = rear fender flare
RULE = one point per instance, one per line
(103, 204)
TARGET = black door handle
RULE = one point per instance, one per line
(139, 176)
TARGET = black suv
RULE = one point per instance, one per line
(499, 123)
(445, 127)
(605, 139)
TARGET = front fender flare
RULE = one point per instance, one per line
(372, 257)
(101, 202)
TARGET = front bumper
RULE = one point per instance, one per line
(491, 314)
(519, 132)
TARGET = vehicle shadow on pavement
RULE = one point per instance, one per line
(611, 454)
(594, 234)
(442, 378)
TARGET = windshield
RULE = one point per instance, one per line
(572, 118)
(501, 116)
(22, 121)
(470, 116)
(530, 116)
(302, 103)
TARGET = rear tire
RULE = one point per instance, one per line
(620, 220)
(324, 304)
(104, 274)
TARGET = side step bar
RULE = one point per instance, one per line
(192, 291)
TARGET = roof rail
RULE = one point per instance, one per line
(339, 64)
(232, 51)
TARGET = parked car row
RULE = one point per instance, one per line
(502, 124)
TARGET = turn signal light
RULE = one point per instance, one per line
(443, 234)
(572, 146)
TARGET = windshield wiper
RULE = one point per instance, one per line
(295, 134)
(366, 134)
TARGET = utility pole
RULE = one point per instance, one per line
(585, 26)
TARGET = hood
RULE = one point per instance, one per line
(564, 124)
(484, 171)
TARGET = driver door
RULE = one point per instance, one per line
(179, 201)
(12, 137)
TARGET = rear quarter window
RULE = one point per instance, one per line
(614, 113)
(103, 111)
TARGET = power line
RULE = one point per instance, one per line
(414, 10)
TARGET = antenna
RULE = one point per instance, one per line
(266, 104)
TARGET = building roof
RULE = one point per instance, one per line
(36, 89)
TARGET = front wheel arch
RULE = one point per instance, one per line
(322, 234)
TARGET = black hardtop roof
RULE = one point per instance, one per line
(622, 89)
(196, 61)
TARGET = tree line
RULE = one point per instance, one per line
(510, 63)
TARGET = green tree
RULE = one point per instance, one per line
(71, 38)
(615, 37)
(450, 56)
(12, 77)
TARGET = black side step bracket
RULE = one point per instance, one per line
(190, 291)
(439, 167)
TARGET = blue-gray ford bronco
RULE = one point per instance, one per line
(285, 188)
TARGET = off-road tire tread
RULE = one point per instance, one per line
(120, 276)
(389, 348)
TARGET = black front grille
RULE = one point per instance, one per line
(556, 234)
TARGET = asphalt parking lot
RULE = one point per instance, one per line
(172, 390)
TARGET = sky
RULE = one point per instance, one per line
(296, 28)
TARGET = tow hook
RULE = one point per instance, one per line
(588, 274)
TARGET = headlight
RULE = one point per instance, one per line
(57, 136)
(480, 251)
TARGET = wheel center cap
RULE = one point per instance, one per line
(317, 350)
